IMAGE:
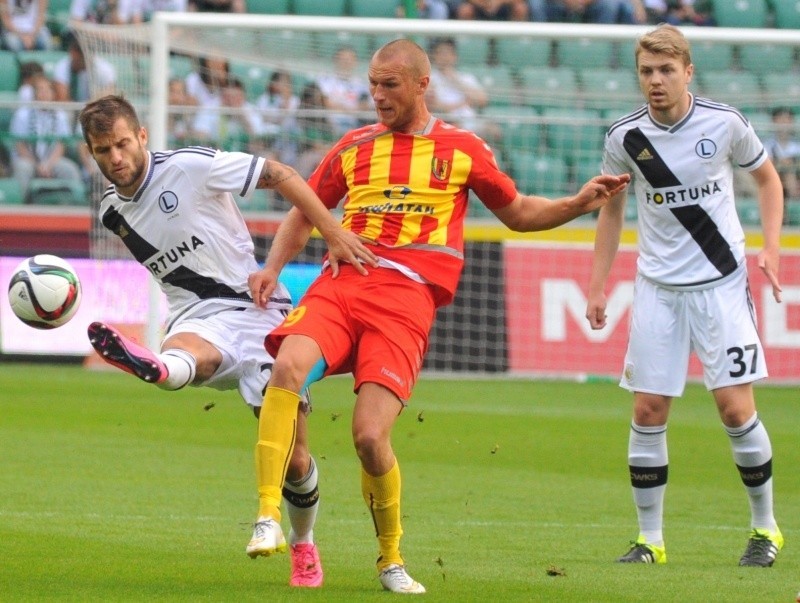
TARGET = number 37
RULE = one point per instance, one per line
(737, 355)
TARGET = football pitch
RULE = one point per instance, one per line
(112, 490)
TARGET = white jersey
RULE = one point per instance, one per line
(682, 175)
(184, 226)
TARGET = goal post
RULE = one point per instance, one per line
(552, 89)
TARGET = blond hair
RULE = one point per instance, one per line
(664, 39)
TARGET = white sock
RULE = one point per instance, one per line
(752, 453)
(648, 462)
(302, 504)
(181, 366)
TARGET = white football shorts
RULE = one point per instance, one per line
(718, 324)
(238, 333)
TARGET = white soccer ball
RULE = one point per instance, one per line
(44, 292)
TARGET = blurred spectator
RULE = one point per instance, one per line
(206, 82)
(317, 133)
(345, 91)
(106, 12)
(784, 150)
(585, 11)
(179, 120)
(279, 105)
(679, 12)
(39, 151)
(27, 71)
(71, 75)
(423, 9)
(492, 10)
(169, 6)
(456, 95)
(218, 6)
(24, 25)
(234, 125)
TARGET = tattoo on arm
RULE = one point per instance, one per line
(272, 175)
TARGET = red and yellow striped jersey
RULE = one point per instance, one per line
(409, 193)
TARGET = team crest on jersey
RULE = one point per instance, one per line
(441, 168)
(705, 148)
(168, 202)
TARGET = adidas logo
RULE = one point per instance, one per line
(644, 155)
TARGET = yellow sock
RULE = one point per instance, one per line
(382, 495)
(277, 429)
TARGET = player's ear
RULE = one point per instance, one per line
(689, 72)
(143, 137)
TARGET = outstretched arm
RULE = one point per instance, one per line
(530, 213)
(342, 245)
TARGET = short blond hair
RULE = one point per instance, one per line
(665, 39)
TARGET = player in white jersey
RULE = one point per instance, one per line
(691, 290)
(176, 213)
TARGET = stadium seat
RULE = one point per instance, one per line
(9, 71)
(497, 81)
(329, 42)
(780, 90)
(715, 56)
(760, 58)
(58, 16)
(298, 44)
(584, 53)
(740, 13)
(791, 216)
(586, 166)
(533, 52)
(253, 76)
(56, 191)
(11, 192)
(326, 8)
(521, 127)
(472, 50)
(741, 89)
(749, 212)
(269, 7)
(46, 58)
(540, 174)
(373, 8)
(615, 90)
(572, 133)
(787, 13)
(549, 86)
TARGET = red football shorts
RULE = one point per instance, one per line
(373, 326)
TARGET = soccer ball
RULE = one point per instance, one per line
(44, 292)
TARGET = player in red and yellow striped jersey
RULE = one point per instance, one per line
(404, 184)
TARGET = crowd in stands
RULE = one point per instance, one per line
(292, 120)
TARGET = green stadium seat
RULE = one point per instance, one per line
(325, 8)
(749, 212)
(787, 13)
(549, 86)
(11, 192)
(760, 58)
(791, 215)
(740, 13)
(615, 90)
(540, 174)
(373, 8)
(253, 76)
(298, 44)
(533, 52)
(269, 7)
(572, 133)
(56, 191)
(58, 16)
(584, 53)
(741, 89)
(780, 90)
(714, 56)
(329, 42)
(9, 71)
(46, 58)
(497, 81)
(521, 127)
(472, 50)
(586, 166)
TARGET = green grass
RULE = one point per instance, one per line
(112, 490)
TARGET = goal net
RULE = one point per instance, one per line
(549, 92)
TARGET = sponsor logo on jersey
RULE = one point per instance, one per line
(684, 195)
(387, 208)
(645, 155)
(397, 192)
(168, 202)
(167, 260)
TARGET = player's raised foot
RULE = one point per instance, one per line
(267, 539)
(119, 351)
(641, 552)
(306, 567)
(762, 548)
(395, 578)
